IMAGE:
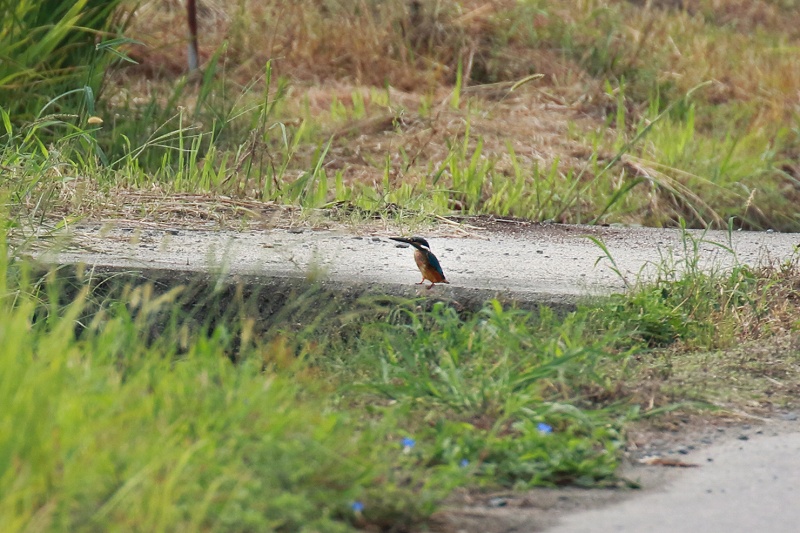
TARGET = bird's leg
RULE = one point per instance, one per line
(429, 287)
(421, 282)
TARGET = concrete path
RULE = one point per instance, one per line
(516, 261)
(741, 486)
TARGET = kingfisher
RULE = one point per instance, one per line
(426, 261)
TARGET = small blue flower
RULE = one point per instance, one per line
(544, 428)
(357, 506)
(408, 442)
(464, 463)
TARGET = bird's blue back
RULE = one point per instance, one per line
(434, 262)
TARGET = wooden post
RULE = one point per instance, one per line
(191, 12)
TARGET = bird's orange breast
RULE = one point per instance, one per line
(429, 272)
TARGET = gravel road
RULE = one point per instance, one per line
(527, 263)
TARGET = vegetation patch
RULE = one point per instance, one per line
(124, 405)
(193, 407)
(607, 111)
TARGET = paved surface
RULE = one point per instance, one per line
(741, 486)
(521, 262)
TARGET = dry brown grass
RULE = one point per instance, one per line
(777, 310)
(360, 43)
(331, 51)
(368, 43)
(535, 126)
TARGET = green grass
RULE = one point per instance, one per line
(122, 410)
(50, 48)
(144, 408)
(125, 406)
(684, 300)
(663, 148)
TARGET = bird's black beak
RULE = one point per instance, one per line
(401, 239)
